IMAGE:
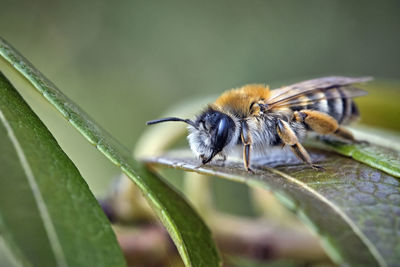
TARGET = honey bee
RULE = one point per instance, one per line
(256, 118)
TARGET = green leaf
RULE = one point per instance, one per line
(10, 254)
(353, 207)
(45, 204)
(190, 234)
(379, 157)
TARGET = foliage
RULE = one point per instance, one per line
(47, 211)
(196, 247)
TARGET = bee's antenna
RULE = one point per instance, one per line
(172, 119)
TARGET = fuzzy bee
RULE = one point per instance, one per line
(256, 118)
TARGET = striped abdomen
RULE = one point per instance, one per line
(333, 101)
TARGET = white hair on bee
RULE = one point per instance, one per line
(264, 135)
(199, 141)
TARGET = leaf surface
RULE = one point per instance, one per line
(48, 216)
(382, 158)
(353, 207)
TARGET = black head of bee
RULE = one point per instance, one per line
(215, 131)
(210, 133)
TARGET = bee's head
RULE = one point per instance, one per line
(210, 133)
(214, 131)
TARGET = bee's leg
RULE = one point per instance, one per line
(246, 140)
(323, 123)
(319, 122)
(246, 157)
(222, 160)
(289, 138)
(302, 154)
(347, 135)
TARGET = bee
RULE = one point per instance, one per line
(255, 117)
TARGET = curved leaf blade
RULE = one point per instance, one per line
(47, 206)
(191, 236)
(381, 158)
(353, 207)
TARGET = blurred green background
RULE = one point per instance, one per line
(125, 62)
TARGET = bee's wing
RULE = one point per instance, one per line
(290, 95)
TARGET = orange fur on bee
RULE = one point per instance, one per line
(239, 100)
(320, 122)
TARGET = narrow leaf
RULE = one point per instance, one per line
(379, 157)
(48, 208)
(190, 234)
(353, 207)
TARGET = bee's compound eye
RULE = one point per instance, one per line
(222, 133)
